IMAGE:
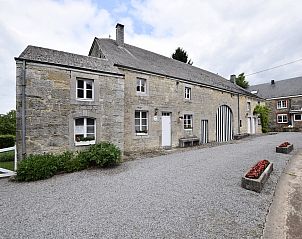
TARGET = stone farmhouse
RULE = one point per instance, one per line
(284, 99)
(137, 99)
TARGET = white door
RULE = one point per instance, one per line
(166, 130)
(254, 125)
(249, 125)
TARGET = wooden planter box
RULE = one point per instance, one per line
(285, 150)
(256, 184)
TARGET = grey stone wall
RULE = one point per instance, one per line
(51, 107)
(167, 95)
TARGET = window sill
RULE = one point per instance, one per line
(282, 108)
(84, 143)
(282, 122)
(85, 100)
(141, 134)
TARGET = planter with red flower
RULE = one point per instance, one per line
(285, 148)
(255, 178)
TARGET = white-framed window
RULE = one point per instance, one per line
(141, 122)
(188, 121)
(248, 106)
(141, 86)
(281, 104)
(84, 131)
(188, 93)
(85, 89)
(282, 118)
(298, 117)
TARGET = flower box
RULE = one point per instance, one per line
(255, 178)
(285, 148)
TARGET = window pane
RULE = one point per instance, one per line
(144, 121)
(90, 136)
(144, 129)
(80, 93)
(137, 114)
(80, 84)
(297, 117)
(137, 129)
(142, 88)
(138, 88)
(79, 121)
(144, 114)
(137, 122)
(89, 84)
(90, 121)
(90, 129)
(79, 137)
(89, 94)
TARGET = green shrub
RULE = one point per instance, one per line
(7, 156)
(7, 141)
(73, 162)
(37, 167)
(104, 154)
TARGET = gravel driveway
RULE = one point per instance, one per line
(193, 194)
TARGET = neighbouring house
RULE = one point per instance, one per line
(137, 99)
(284, 99)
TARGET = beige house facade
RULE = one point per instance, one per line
(135, 98)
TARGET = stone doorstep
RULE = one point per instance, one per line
(6, 173)
(256, 184)
(285, 150)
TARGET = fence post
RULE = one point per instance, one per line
(15, 163)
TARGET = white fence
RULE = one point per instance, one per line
(10, 149)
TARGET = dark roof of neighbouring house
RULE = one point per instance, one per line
(282, 88)
(139, 59)
(61, 58)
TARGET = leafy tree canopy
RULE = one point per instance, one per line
(8, 123)
(263, 112)
(241, 81)
(181, 55)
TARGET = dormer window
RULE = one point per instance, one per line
(141, 86)
(84, 89)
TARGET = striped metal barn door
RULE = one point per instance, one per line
(204, 139)
(224, 124)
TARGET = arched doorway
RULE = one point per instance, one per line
(224, 124)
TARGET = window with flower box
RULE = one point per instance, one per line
(282, 104)
(84, 131)
(188, 121)
(141, 122)
(85, 89)
(282, 118)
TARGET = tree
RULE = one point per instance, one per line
(241, 81)
(181, 55)
(8, 123)
(263, 112)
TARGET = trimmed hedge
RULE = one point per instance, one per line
(37, 167)
(7, 156)
(7, 141)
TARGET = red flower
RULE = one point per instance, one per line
(284, 145)
(258, 169)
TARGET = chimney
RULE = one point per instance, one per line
(272, 82)
(233, 79)
(119, 34)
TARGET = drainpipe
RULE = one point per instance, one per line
(238, 114)
(23, 106)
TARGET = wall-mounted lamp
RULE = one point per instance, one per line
(155, 112)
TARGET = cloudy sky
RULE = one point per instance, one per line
(225, 37)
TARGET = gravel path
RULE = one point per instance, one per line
(193, 194)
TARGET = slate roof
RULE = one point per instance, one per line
(61, 58)
(137, 58)
(282, 88)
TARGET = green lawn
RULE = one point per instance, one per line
(7, 165)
